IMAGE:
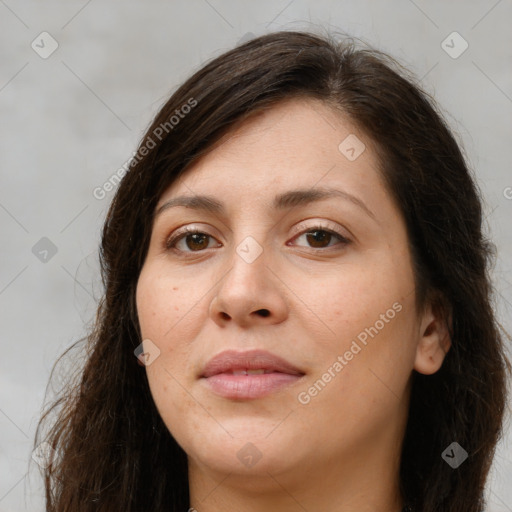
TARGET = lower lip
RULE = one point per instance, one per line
(249, 386)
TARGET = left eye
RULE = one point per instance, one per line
(197, 240)
(319, 236)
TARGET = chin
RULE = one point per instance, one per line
(250, 463)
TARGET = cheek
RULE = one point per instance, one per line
(348, 299)
(162, 302)
(161, 305)
(365, 313)
(160, 308)
(168, 314)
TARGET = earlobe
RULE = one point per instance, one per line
(434, 341)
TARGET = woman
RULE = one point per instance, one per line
(297, 310)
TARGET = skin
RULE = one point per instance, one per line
(341, 450)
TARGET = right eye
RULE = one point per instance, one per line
(193, 238)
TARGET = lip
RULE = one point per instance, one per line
(218, 374)
(232, 360)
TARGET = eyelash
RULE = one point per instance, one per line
(172, 241)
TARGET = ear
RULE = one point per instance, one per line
(434, 338)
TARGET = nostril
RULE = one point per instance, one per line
(264, 312)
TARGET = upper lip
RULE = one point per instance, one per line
(230, 360)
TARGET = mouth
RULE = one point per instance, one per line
(248, 375)
(247, 371)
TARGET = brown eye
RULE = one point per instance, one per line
(194, 241)
(320, 238)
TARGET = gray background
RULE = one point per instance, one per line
(70, 120)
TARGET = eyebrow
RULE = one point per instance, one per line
(283, 201)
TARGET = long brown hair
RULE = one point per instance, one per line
(115, 452)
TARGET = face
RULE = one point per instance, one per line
(322, 282)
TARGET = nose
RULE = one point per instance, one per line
(250, 293)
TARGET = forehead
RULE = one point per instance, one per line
(297, 143)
